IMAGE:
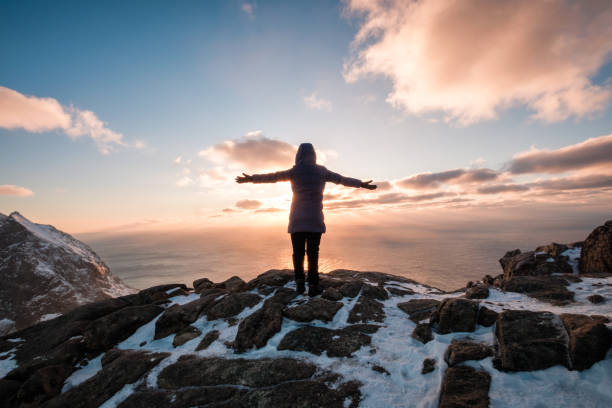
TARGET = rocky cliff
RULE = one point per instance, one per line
(370, 340)
(46, 272)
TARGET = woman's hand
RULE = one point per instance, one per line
(366, 184)
(245, 178)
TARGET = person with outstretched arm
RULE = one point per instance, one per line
(306, 217)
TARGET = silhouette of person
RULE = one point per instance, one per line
(306, 217)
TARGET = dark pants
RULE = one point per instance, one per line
(311, 241)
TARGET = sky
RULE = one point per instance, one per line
(119, 116)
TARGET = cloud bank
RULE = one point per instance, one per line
(471, 58)
(38, 115)
(15, 191)
(456, 176)
(253, 152)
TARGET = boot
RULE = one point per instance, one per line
(299, 286)
(314, 290)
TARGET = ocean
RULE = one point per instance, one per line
(446, 257)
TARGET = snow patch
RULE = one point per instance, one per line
(84, 373)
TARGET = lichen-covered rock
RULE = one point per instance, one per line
(184, 335)
(596, 299)
(337, 343)
(331, 294)
(596, 255)
(532, 263)
(550, 289)
(315, 309)
(233, 284)
(589, 340)
(461, 350)
(231, 305)
(256, 329)
(477, 292)
(208, 339)
(486, 316)
(429, 364)
(366, 310)
(422, 333)
(530, 341)
(419, 309)
(465, 387)
(455, 315)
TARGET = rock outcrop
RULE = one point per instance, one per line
(596, 255)
(46, 272)
(464, 386)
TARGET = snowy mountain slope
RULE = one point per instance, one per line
(46, 272)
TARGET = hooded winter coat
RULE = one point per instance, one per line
(307, 182)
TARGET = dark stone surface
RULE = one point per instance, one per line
(219, 371)
(201, 284)
(337, 343)
(366, 310)
(45, 383)
(465, 387)
(596, 255)
(550, 289)
(429, 364)
(399, 291)
(477, 292)
(532, 263)
(283, 296)
(530, 341)
(231, 305)
(455, 315)
(463, 350)
(273, 277)
(486, 316)
(380, 369)
(184, 335)
(125, 368)
(256, 329)
(422, 332)
(233, 284)
(208, 339)
(177, 317)
(315, 309)
(331, 294)
(596, 299)
(183, 398)
(419, 309)
(589, 340)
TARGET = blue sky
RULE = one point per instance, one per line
(184, 77)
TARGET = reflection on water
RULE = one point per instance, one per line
(444, 259)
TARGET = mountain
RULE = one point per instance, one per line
(46, 272)
(537, 335)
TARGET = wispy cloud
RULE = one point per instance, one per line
(313, 101)
(592, 152)
(248, 8)
(38, 115)
(16, 191)
(248, 204)
(468, 59)
(184, 181)
(455, 176)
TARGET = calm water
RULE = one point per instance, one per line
(444, 258)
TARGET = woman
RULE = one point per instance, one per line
(306, 217)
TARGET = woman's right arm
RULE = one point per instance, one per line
(265, 178)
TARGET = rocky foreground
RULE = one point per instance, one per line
(539, 334)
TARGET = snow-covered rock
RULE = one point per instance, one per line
(46, 272)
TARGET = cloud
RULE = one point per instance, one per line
(178, 160)
(471, 58)
(248, 8)
(254, 133)
(594, 181)
(315, 102)
(184, 181)
(248, 204)
(16, 191)
(456, 176)
(386, 199)
(252, 152)
(502, 188)
(592, 152)
(38, 115)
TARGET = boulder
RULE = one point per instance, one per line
(422, 333)
(217, 371)
(461, 350)
(532, 263)
(486, 316)
(589, 340)
(208, 339)
(115, 327)
(45, 383)
(596, 255)
(596, 299)
(550, 289)
(273, 277)
(233, 284)
(177, 317)
(331, 294)
(400, 291)
(184, 335)
(125, 367)
(455, 315)
(153, 294)
(188, 397)
(429, 364)
(283, 296)
(528, 341)
(231, 305)
(465, 386)
(201, 284)
(366, 310)
(477, 292)
(315, 309)
(256, 329)
(419, 309)
(553, 249)
(338, 343)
